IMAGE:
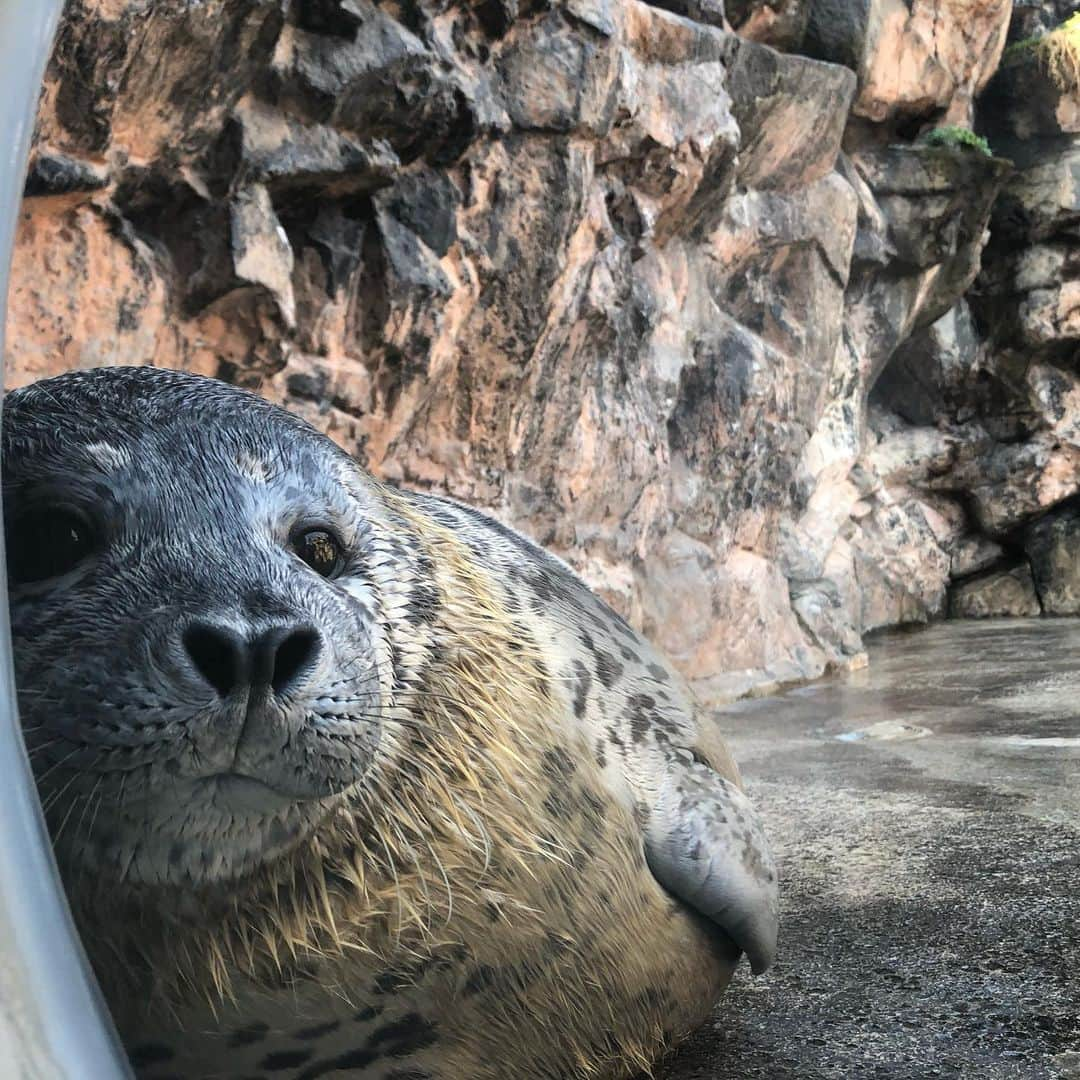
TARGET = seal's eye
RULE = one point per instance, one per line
(321, 551)
(47, 543)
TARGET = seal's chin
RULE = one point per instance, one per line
(197, 834)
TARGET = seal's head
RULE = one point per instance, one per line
(198, 646)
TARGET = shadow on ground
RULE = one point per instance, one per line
(926, 817)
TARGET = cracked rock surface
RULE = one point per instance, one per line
(708, 317)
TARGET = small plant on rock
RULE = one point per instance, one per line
(1057, 52)
(959, 138)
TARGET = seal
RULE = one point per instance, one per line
(345, 780)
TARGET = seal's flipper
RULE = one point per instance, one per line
(705, 844)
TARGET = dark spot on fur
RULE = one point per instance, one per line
(540, 583)
(245, 1036)
(351, 1059)
(581, 688)
(151, 1054)
(629, 655)
(658, 673)
(558, 805)
(423, 604)
(403, 977)
(368, 1013)
(558, 764)
(608, 669)
(318, 1031)
(587, 641)
(405, 1036)
(395, 667)
(482, 978)
(285, 1059)
(642, 709)
(596, 807)
(542, 684)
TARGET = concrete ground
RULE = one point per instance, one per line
(925, 814)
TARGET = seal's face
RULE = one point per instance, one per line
(199, 658)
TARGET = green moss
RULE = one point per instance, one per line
(1018, 50)
(1058, 53)
(959, 138)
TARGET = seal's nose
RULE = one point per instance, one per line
(274, 658)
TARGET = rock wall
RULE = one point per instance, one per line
(704, 317)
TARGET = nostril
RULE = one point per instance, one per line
(230, 661)
(296, 652)
(218, 655)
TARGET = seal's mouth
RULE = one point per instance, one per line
(246, 792)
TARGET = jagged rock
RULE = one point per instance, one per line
(261, 251)
(58, 174)
(916, 58)
(284, 153)
(710, 12)
(907, 455)
(152, 82)
(937, 202)
(901, 563)
(595, 266)
(932, 376)
(946, 376)
(1055, 396)
(1030, 291)
(779, 23)
(1002, 593)
(1009, 483)
(1053, 547)
(921, 223)
(107, 305)
(1032, 18)
(337, 17)
(973, 554)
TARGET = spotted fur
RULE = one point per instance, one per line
(512, 847)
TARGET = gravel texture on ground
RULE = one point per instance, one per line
(925, 814)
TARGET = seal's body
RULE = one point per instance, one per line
(348, 781)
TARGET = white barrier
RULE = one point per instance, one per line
(53, 1025)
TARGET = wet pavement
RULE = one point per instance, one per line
(925, 814)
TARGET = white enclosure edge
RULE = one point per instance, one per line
(53, 1024)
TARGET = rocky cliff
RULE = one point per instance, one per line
(728, 308)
